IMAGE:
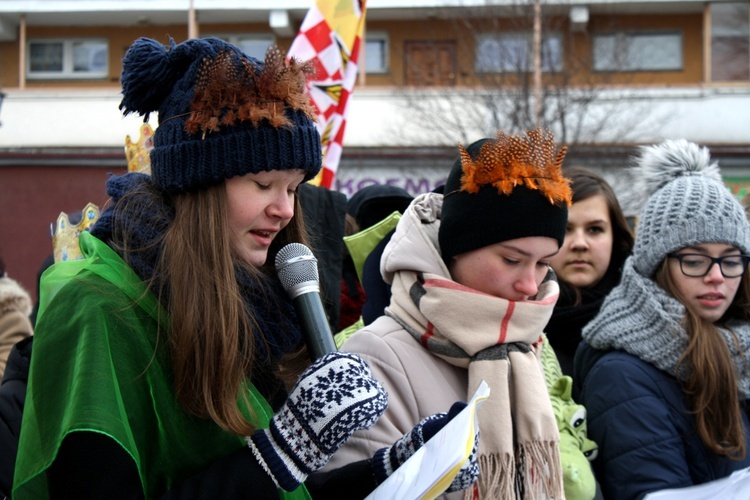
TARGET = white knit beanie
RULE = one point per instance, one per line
(690, 205)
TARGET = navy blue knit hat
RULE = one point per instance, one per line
(221, 113)
(501, 189)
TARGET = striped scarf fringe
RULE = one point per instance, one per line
(537, 476)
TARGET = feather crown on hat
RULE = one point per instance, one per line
(228, 86)
(510, 161)
(672, 159)
(230, 89)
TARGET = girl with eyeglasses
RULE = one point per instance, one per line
(663, 368)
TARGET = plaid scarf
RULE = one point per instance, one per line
(498, 341)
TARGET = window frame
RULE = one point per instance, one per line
(627, 36)
(723, 36)
(380, 36)
(527, 36)
(68, 59)
(236, 40)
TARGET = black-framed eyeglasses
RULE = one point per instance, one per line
(697, 265)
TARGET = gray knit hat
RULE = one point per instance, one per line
(690, 205)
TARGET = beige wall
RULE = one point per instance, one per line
(577, 48)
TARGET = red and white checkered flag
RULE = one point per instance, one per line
(331, 36)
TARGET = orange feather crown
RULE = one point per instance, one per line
(509, 161)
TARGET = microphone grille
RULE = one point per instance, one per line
(296, 264)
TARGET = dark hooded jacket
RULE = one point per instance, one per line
(12, 398)
(647, 435)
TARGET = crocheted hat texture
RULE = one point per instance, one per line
(689, 204)
(221, 113)
(502, 189)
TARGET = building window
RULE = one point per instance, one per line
(730, 42)
(252, 45)
(376, 52)
(640, 51)
(512, 52)
(68, 58)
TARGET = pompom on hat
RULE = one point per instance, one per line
(504, 188)
(221, 113)
(688, 204)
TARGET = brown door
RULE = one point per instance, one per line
(430, 63)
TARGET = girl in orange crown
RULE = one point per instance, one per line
(472, 292)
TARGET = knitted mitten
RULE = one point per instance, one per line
(387, 460)
(333, 398)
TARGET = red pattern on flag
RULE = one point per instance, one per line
(331, 36)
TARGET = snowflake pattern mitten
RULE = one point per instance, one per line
(333, 398)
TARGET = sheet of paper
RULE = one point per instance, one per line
(432, 468)
(733, 487)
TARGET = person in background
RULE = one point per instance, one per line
(16, 332)
(324, 212)
(352, 293)
(471, 293)
(48, 261)
(12, 397)
(598, 239)
(367, 208)
(375, 202)
(15, 308)
(168, 362)
(664, 367)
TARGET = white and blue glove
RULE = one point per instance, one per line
(333, 398)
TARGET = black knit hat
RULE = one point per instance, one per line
(502, 189)
(373, 203)
(221, 113)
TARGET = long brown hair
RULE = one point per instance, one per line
(211, 334)
(711, 384)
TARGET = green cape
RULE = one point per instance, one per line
(100, 364)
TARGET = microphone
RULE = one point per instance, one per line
(297, 269)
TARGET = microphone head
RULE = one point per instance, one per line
(297, 269)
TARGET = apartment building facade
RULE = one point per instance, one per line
(609, 75)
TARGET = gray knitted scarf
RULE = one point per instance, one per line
(640, 318)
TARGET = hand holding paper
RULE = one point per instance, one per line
(443, 462)
(387, 460)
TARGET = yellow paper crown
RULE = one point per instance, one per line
(65, 235)
(137, 153)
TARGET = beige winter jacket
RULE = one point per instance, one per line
(419, 384)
